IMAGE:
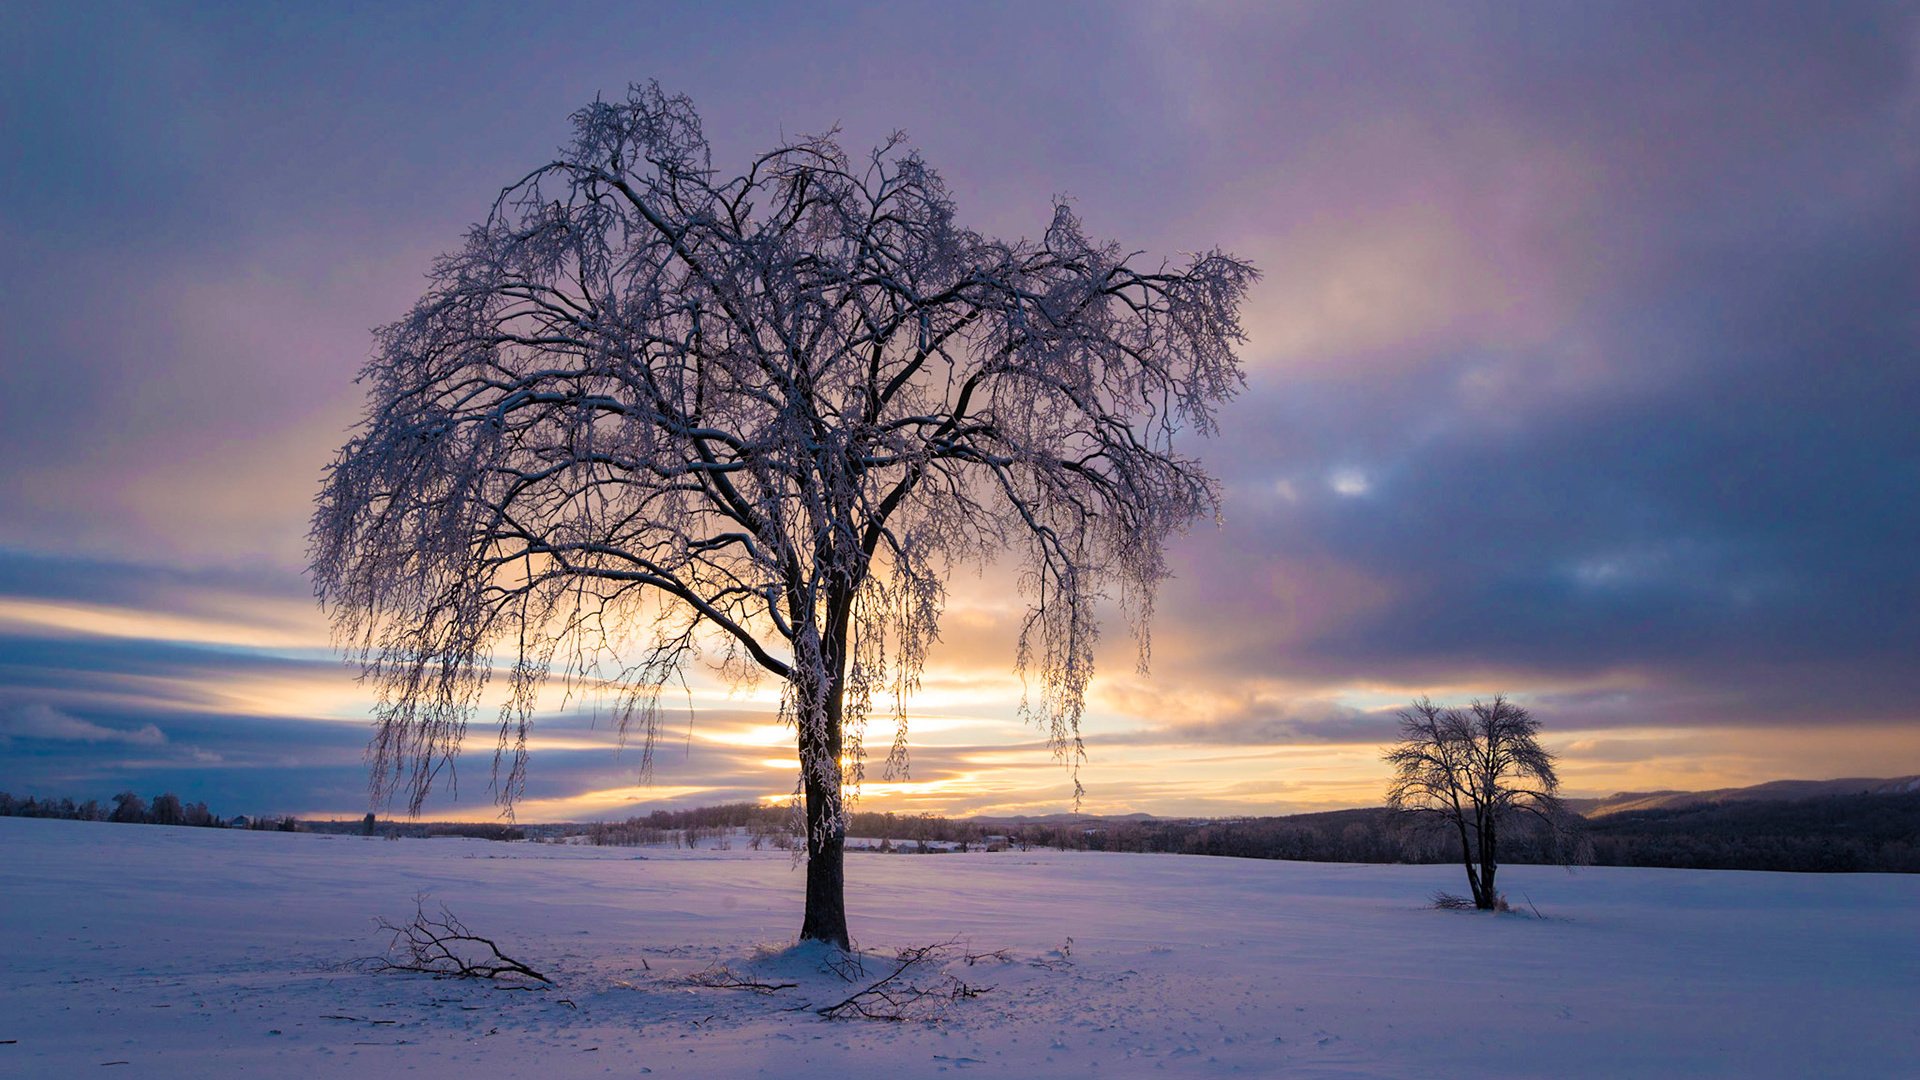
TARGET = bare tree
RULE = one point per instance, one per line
(1475, 771)
(647, 415)
(128, 807)
(167, 810)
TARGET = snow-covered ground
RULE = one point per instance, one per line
(209, 953)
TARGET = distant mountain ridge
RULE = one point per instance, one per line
(1618, 803)
(1771, 791)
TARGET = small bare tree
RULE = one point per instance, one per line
(649, 414)
(1475, 771)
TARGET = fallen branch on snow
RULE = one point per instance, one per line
(724, 978)
(446, 949)
(898, 998)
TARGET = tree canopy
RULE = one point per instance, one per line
(648, 415)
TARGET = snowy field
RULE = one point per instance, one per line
(208, 953)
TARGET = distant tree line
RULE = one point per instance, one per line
(1338, 836)
(1358, 836)
(1870, 833)
(1839, 833)
(1847, 833)
(129, 808)
(168, 809)
(715, 825)
(777, 826)
(370, 825)
(1842, 833)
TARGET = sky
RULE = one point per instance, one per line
(1583, 369)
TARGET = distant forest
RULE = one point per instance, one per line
(168, 809)
(130, 809)
(1837, 833)
(1842, 833)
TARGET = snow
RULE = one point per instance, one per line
(209, 953)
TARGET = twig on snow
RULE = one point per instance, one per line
(896, 998)
(444, 948)
(724, 978)
(847, 965)
(1057, 959)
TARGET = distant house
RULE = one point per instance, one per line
(239, 822)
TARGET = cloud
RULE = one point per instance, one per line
(1253, 719)
(36, 720)
(1581, 368)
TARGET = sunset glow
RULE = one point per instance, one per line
(1581, 369)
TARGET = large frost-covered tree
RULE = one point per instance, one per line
(648, 416)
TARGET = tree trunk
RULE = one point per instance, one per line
(820, 748)
(826, 914)
(1466, 859)
(1487, 868)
